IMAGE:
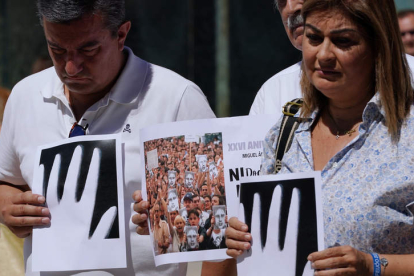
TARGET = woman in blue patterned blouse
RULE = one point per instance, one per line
(358, 97)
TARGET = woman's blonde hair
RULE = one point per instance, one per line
(378, 20)
(178, 217)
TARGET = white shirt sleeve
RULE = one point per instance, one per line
(9, 161)
(278, 90)
(257, 106)
(194, 105)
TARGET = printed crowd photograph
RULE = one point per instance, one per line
(186, 191)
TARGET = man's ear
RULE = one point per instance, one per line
(122, 34)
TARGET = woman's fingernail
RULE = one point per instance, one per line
(41, 199)
(45, 220)
(247, 245)
(244, 228)
(247, 237)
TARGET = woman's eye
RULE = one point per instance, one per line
(313, 38)
(342, 40)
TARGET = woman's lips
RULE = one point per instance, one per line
(327, 72)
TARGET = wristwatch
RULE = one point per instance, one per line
(384, 263)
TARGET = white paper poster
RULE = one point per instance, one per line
(230, 150)
(284, 215)
(81, 179)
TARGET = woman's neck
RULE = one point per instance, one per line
(347, 114)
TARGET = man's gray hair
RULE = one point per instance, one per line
(65, 11)
(280, 4)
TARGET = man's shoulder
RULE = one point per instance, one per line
(292, 72)
(285, 83)
(30, 87)
(160, 87)
(410, 61)
(282, 87)
(152, 76)
(35, 82)
(161, 76)
(169, 82)
(160, 71)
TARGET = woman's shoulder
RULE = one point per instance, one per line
(407, 128)
(409, 122)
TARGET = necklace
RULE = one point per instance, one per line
(349, 132)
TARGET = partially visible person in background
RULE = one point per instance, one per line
(4, 94)
(11, 261)
(41, 63)
(11, 247)
(406, 22)
(285, 85)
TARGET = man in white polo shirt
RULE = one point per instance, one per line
(285, 85)
(97, 86)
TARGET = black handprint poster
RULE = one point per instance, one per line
(284, 215)
(82, 182)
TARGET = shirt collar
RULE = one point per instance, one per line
(131, 81)
(372, 110)
(126, 89)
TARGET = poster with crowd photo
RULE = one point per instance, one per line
(284, 215)
(81, 179)
(199, 165)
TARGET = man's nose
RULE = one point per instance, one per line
(74, 65)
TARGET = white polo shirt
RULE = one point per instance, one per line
(38, 113)
(284, 87)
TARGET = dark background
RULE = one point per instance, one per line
(180, 35)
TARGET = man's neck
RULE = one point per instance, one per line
(80, 103)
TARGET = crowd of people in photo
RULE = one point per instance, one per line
(186, 193)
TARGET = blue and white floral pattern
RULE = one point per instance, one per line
(368, 187)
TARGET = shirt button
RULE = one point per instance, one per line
(335, 165)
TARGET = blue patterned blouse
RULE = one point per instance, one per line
(368, 187)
